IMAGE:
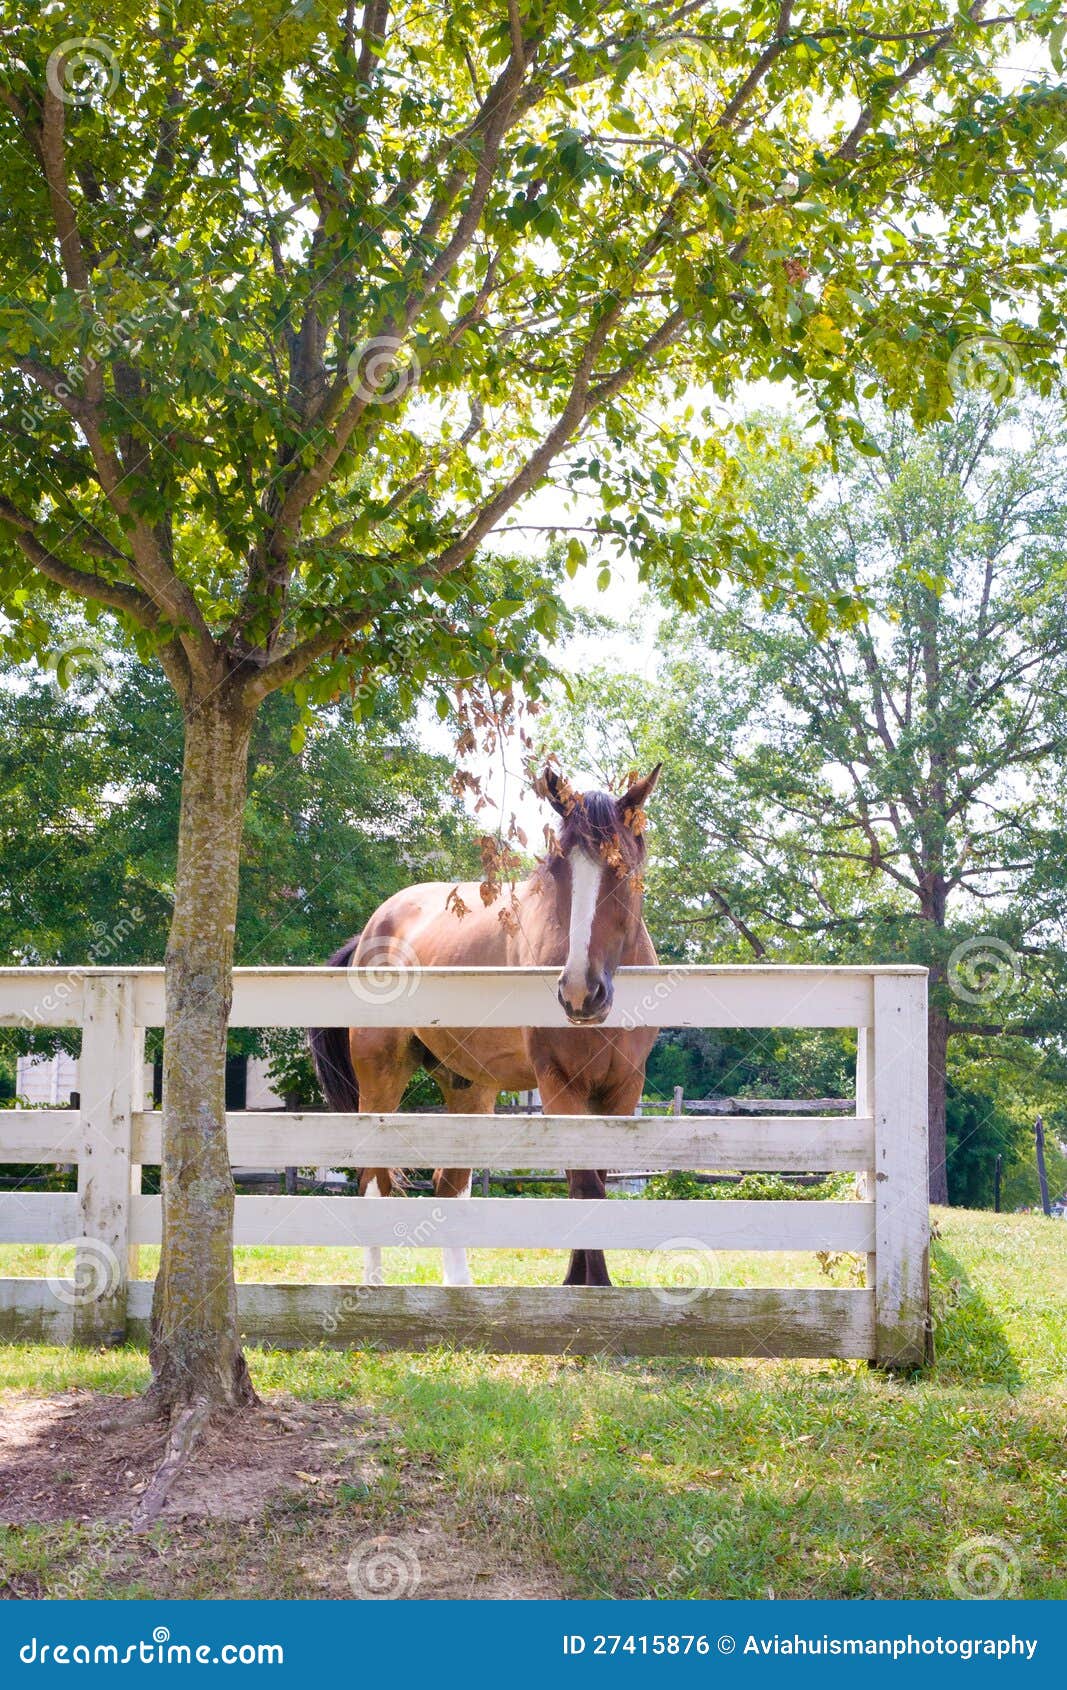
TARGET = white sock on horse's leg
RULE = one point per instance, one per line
(372, 1255)
(454, 1269)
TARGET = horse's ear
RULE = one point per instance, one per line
(632, 803)
(557, 789)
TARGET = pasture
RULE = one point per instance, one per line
(628, 1478)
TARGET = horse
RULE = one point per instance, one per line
(579, 910)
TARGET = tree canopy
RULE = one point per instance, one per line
(892, 791)
(300, 301)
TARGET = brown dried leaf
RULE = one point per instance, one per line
(611, 852)
(455, 903)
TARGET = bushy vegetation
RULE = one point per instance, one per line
(754, 1186)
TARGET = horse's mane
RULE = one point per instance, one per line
(593, 824)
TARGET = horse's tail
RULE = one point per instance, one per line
(330, 1052)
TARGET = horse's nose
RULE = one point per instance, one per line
(582, 1001)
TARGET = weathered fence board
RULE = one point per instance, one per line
(105, 1078)
(36, 1311)
(897, 1084)
(830, 1145)
(734, 996)
(40, 1135)
(38, 1217)
(546, 1223)
(557, 1320)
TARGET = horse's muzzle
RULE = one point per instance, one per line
(594, 1007)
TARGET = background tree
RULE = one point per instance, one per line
(888, 791)
(90, 790)
(300, 303)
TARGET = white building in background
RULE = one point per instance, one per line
(46, 1079)
(54, 1079)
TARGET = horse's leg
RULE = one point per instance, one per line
(587, 1267)
(460, 1099)
(383, 1065)
(374, 1182)
(562, 1097)
(619, 1096)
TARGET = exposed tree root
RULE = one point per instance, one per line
(186, 1430)
(142, 1411)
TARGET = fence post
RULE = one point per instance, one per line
(106, 1083)
(865, 1182)
(898, 1087)
(137, 1104)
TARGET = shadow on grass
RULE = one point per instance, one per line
(969, 1341)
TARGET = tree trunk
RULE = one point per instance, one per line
(937, 1057)
(195, 1350)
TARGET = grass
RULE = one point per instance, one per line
(641, 1478)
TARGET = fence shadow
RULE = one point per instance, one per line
(970, 1342)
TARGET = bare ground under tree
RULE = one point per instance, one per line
(318, 1475)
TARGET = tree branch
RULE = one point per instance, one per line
(850, 145)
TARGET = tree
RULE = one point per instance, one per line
(303, 301)
(889, 791)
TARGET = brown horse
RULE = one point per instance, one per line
(581, 911)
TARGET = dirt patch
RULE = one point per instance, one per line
(323, 1490)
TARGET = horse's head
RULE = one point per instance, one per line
(599, 889)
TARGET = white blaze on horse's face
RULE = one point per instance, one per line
(584, 990)
(599, 854)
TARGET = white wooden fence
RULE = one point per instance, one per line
(111, 1135)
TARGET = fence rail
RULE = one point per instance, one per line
(111, 1135)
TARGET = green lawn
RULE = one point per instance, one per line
(631, 1478)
